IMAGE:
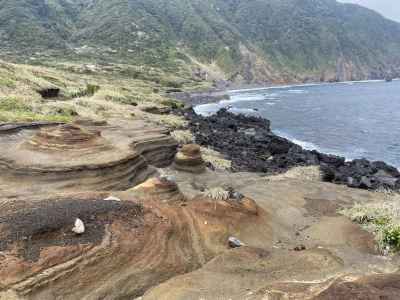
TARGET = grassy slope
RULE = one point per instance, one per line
(284, 39)
(120, 87)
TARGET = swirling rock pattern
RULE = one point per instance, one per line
(127, 246)
(68, 137)
(83, 156)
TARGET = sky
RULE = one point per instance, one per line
(389, 8)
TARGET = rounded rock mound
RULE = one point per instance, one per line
(161, 188)
(81, 156)
(68, 137)
(189, 159)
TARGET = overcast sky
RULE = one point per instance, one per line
(388, 8)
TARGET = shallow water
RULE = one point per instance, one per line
(353, 119)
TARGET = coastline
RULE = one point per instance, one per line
(216, 95)
(250, 144)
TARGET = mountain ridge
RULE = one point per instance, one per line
(252, 41)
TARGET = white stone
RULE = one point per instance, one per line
(235, 243)
(112, 198)
(79, 227)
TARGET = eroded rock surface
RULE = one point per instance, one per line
(161, 188)
(189, 159)
(128, 246)
(84, 156)
(167, 236)
(299, 212)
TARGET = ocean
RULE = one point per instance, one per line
(350, 119)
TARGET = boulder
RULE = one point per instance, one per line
(161, 188)
(189, 159)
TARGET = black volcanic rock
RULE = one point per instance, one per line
(251, 146)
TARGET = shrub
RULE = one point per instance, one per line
(90, 90)
(380, 218)
(391, 237)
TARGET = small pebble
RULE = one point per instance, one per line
(235, 243)
(79, 227)
(112, 198)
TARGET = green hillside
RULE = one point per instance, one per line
(240, 40)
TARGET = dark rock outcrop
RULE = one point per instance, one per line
(49, 93)
(250, 144)
(361, 173)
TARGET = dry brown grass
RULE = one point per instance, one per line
(183, 137)
(117, 90)
(216, 159)
(311, 173)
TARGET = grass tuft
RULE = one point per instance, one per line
(183, 137)
(382, 219)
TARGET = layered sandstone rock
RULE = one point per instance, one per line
(126, 248)
(83, 156)
(189, 159)
(161, 188)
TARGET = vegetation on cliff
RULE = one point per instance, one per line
(256, 40)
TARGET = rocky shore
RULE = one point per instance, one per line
(114, 210)
(251, 145)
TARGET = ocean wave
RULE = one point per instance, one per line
(276, 87)
(297, 91)
(208, 109)
(249, 98)
(304, 144)
(242, 110)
